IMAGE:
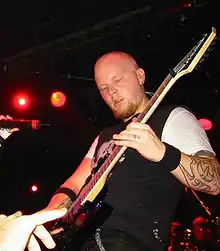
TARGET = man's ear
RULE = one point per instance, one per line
(141, 76)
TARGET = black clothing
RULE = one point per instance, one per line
(144, 197)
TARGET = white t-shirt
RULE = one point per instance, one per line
(181, 130)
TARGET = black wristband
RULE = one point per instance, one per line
(171, 158)
(66, 191)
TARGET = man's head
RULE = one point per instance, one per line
(120, 82)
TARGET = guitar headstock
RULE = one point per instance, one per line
(189, 62)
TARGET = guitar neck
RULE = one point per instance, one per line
(155, 100)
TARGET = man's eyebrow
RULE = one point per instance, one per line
(115, 77)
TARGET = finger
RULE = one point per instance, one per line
(135, 119)
(126, 136)
(8, 117)
(2, 219)
(127, 143)
(11, 217)
(15, 215)
(56, 231)
(138, 125)
(33, 245)
(44, 216)
(2, 216)
(14, 130)
(2, 117)
(138, 131)
(141, 126)
(132, 134)
(44, 236)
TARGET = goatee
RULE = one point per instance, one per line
(127, 113)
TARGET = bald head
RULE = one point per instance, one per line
(117, 58)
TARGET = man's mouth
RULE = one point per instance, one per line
(116, 102)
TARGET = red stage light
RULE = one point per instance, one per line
(34, 188)
(21, 101)
(58, 99)
(185, 5)
(206, 124)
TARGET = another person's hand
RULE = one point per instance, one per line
(7, 117)
(17, 231)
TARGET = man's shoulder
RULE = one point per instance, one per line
(181, 111)
(175, 110)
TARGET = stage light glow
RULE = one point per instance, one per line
(206, 124)
(58, 99)
(34, 188)
(21, 101)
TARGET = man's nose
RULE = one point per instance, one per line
(112, 91)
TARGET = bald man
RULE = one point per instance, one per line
(170, 151)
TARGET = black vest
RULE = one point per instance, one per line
(144, 197)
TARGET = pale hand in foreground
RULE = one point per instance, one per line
(17, 231)
(7, 117)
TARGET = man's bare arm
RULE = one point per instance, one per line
(200, 172)
(74, 182)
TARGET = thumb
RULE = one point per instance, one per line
(44, 216)
(14, 130)
(134, 119)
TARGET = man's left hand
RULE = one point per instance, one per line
(143, 139)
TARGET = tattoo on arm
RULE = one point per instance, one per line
(202, 173)
(67, 203)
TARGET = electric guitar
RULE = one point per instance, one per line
(91, 190)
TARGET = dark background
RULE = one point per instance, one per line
(53, 46)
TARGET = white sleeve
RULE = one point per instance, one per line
(92, 148)
(183, 131)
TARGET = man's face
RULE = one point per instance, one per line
(119, 87)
